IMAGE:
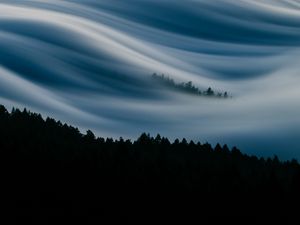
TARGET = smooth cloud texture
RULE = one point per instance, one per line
(88, 63)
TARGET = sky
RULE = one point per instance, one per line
(89, 63)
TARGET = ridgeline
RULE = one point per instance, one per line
(187, 87)
(52, 172)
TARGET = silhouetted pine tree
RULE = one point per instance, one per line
(50, 169)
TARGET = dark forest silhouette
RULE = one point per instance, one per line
(187, 87)
(50, 170)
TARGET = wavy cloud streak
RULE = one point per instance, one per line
(88, 63)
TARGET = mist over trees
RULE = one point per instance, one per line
(51, 170)
(187, 87)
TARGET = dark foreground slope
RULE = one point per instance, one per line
(51, 172)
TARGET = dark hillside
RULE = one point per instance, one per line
(51, 172)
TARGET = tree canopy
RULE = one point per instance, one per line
(50, 169)
(187, 87)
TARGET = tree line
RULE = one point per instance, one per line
(187, 87)
(51, 170)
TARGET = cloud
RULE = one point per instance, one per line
(89, 62)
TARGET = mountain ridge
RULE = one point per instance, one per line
(53, 171)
